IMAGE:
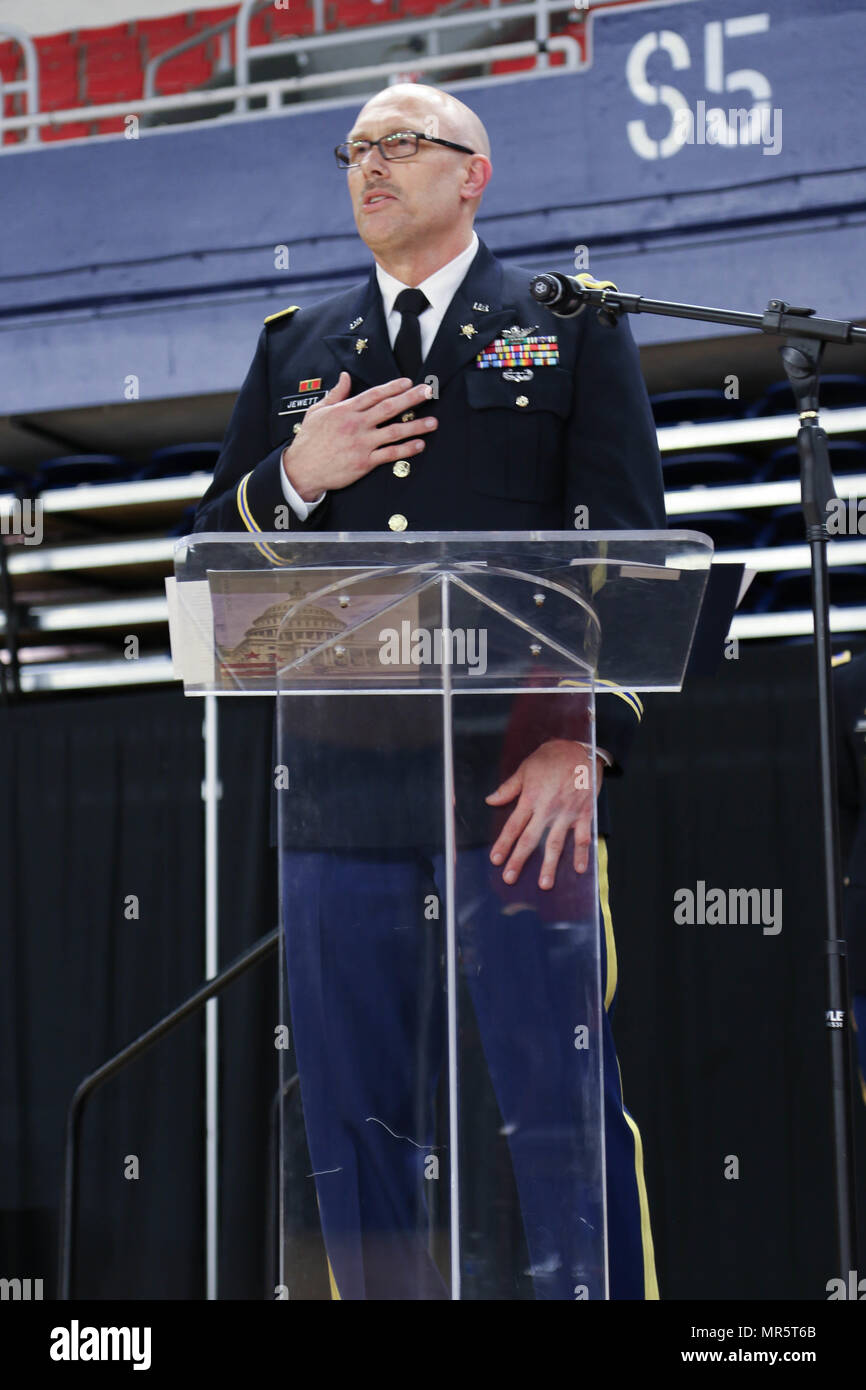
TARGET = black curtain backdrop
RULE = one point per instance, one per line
(720, 1028)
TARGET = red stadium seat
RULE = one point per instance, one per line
(55, 46)
(114, 33)
(119, 50)
(501, 65)
(409, 9)
(11, 62)
(74, 131)
(59, 90)
(352, 14)
(157, 35)
(576, 32)
(259, 29)
(13, 105)
(59, 84)
(105, 87)
(112, 125)
(114, 71)
(297, 19)
(203, 19)
(184, 73)
(206, 19)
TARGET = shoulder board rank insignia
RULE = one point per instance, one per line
(281, 313)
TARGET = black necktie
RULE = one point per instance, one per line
(407, 344)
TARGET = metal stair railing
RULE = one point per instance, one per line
(85, 1089)
(273, 91)
(219, 30)
(28, 84)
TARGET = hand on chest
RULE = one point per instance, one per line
(502, 405)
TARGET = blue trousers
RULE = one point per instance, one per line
(364, 957)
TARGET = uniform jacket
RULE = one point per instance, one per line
(507, 454)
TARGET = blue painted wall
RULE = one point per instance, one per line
(155, 257)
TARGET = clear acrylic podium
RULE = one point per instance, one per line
(442, 1125)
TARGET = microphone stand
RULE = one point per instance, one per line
(805, 336)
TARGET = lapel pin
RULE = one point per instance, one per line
(468, 330)
(481, 308)
(356, 323)
(360, 344)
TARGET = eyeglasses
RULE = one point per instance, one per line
(401, 145)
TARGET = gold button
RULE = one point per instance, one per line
(295, 428)
(407, 416)
(401, 468)
(522, 400)
(397, 522)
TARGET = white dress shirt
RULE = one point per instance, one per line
(440, 288)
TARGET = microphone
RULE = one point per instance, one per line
(566, 295)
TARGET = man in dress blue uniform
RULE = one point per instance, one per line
(439, 396)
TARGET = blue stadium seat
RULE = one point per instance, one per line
(81, 468)
(791, 589)
(836, 391)
(693, 407)
(846, 456)
(183, 527)
(727, 530)
(13, 480)
(175, 460)
(708, 467)
(786, 526)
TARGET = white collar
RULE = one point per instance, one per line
(439, 287)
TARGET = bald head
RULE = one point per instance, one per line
(455, 120)
(416, 211)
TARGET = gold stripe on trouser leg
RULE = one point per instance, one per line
(651, 1288)
(609, 943)
(335, 1292)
